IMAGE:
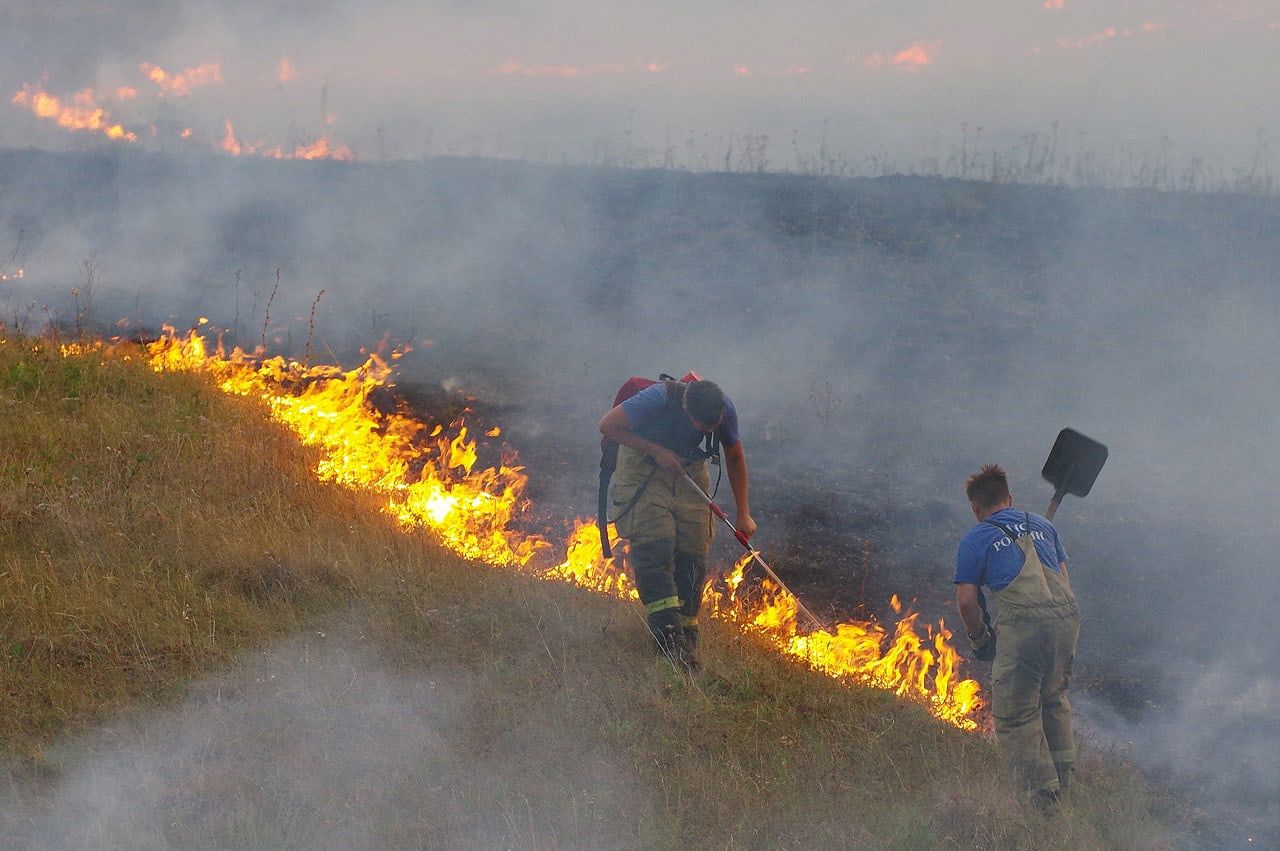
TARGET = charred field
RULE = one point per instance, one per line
(880, 337)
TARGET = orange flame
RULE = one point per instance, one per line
(182, 82)
(919, 667)
(229, 142)
(320, 149)
(83, 113)
(427, 479)
(286, 73)
(917, 55)
(430, 479)
(584, 564)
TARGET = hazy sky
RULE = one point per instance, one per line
(653, 82)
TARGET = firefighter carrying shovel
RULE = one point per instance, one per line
(659, 432)
(1018, 556)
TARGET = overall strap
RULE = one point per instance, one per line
(982, 599)
(1013, 536)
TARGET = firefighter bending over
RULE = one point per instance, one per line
(660, 431)
(1018, 556)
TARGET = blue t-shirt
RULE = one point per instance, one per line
(645, 414)
(987, 556)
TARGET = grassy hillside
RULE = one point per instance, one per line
(154, 532)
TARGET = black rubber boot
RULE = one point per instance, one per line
(651, 565)
(690, 574)
(1046, 801)
(668, 634)
(691, 578)
(689, 646)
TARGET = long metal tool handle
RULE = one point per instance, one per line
(746, 542)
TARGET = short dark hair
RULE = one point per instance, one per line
(988, 487)
(705, 402)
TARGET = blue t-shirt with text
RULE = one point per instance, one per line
(649, 406)
(987, 556)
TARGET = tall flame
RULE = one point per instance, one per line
(428, 477)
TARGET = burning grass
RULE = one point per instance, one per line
(153, 529)
(429, 478)
(149, 530)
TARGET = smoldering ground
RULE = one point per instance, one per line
(325, 741)
(881, 338)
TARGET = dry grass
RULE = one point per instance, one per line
(149, 529)
(153, 531)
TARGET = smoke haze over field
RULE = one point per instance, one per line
(829, 85)
(321, 743)
(882, 337)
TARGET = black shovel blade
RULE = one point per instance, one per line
(1074, 463)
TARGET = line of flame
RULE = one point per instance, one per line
(83, 113)
(923, 668)
(428, 478)
(182, 82)
(320, 149)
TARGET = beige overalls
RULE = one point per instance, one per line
(667, 509)
(1037, 623)
(669, 528)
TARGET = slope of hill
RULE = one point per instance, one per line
(206, 646)
(881, 337)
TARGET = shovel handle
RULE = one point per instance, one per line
(1055, 502)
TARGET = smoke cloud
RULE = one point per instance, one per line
(843, 87)
(320, 742)
(882, 338)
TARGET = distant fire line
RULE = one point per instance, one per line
(85, 112)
